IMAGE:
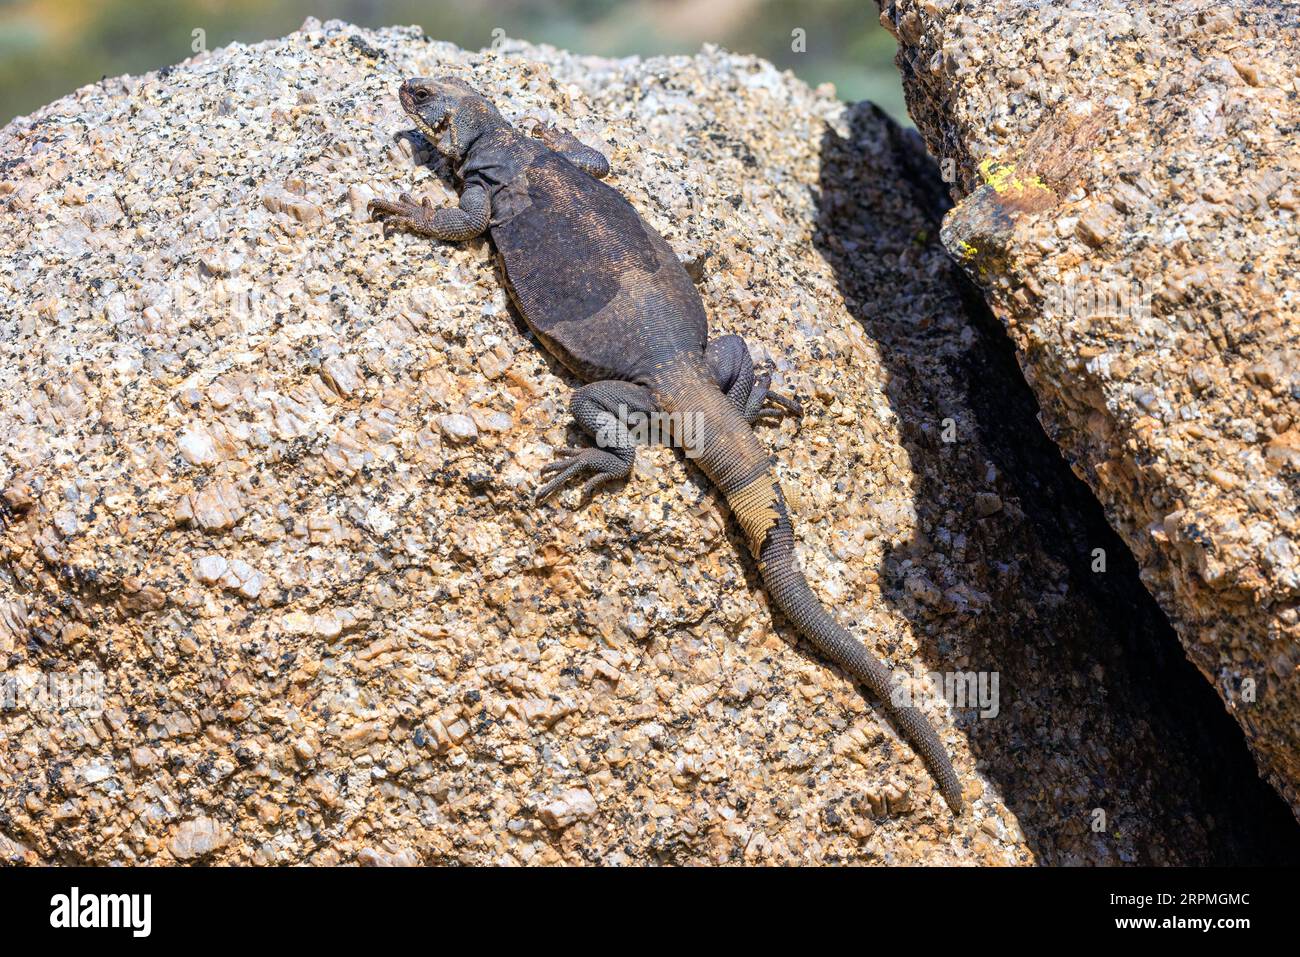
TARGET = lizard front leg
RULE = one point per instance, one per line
(587, 158)
(465, 221)
(733, 369)
(610, 412)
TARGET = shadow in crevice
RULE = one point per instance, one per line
(1100, 708)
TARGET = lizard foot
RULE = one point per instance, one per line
(550, 135)
(728, 358)
(405, 213)
(780, 405)
(574, 461)
(587, 158)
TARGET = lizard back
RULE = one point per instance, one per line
(593, 280)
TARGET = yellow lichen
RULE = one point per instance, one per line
(1004, 177)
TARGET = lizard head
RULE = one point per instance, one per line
(448, 111)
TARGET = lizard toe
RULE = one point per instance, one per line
(596, 481)
(554, 485)
(765, 404)
(567, 457)
(379, 208)
(567, 466)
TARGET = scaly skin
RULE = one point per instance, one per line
(608, 297)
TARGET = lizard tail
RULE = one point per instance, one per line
(730, 454)
(789, 590)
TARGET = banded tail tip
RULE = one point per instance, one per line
(949, 785)
(955, 800)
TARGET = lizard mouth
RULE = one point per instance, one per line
(431, 132)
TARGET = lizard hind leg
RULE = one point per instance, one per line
(613, 413)
(733, 369)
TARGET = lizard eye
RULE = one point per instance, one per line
(419, 96)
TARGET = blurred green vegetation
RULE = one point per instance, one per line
(50, 47)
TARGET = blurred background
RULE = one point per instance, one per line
(50, 47)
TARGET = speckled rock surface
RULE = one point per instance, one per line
(1127, 176)
(272, 586)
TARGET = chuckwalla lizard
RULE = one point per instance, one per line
(607, 296)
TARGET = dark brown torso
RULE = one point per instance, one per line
(600, 287)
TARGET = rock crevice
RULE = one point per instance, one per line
(1125, 177)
